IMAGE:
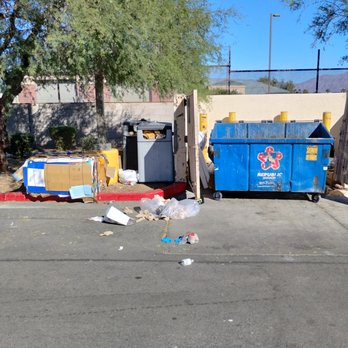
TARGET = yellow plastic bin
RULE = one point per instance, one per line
(112, 165)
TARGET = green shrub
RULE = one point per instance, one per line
(21, 144)
(88, 143)
(64, 137)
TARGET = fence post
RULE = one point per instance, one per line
(317, 81)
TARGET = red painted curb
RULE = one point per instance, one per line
(166, 192)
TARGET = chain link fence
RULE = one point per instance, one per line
(222, 80)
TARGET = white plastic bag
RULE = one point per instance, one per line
(153, 206)
(128, 176)
(175, 209)
(172, 209)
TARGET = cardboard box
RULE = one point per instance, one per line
(61, 177)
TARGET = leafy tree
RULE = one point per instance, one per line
(287, 85)
(331, 18)
(222, 91)
(23, 29)
(161, 44)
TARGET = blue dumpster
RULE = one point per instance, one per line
(282, 157)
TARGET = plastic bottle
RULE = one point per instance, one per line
(186, 262)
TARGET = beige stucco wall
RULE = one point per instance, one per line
(300, 107)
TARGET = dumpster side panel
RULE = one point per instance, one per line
(310, 163)
(231, 163)
(155, 161)
(155, 155)
(270, 167)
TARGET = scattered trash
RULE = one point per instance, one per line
(192, 237)
(127, 210)
(229, 320)
(153, 134)
(97, 218)
(153, 210)
(146, 215)
(106, 234)
(186, 262)
(338, 193)
(189, 237)
(128, 177)
(120, 248)
(180, 240)
(166, 240)
(113, 215)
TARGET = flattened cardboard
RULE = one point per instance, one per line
(110, 172)
(81, 191)
(60, 177)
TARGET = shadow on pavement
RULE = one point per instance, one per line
(339, 199)
(257, 195)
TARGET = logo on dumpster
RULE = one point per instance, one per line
(269, 158)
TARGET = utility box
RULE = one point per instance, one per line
(155, 152)
(282, 157)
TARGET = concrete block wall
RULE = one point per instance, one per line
(36, 119)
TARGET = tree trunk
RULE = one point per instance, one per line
(3, 159)
(99, 103)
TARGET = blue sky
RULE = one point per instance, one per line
(292, 44)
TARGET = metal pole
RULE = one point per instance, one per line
(270, 53)
(270, 49)
(318, 65)
(229, 70)
(58, 91)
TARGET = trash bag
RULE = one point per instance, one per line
(175, 209)
(172, 209)
(128, 176)
(153, 206)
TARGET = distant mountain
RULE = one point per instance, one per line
(327, 83)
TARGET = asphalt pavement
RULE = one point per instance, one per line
(267, 272)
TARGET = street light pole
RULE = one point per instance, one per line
(270, 49)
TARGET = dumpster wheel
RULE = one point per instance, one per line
(315, 197)
(217, 195)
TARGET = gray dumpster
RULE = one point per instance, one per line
(130, 150)
(155, 153)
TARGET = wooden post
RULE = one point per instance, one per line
(192, 142)
(341, 168)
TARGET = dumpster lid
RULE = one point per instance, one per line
(265, 132)
(153, 125)
(299, 130)
(133, 122)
